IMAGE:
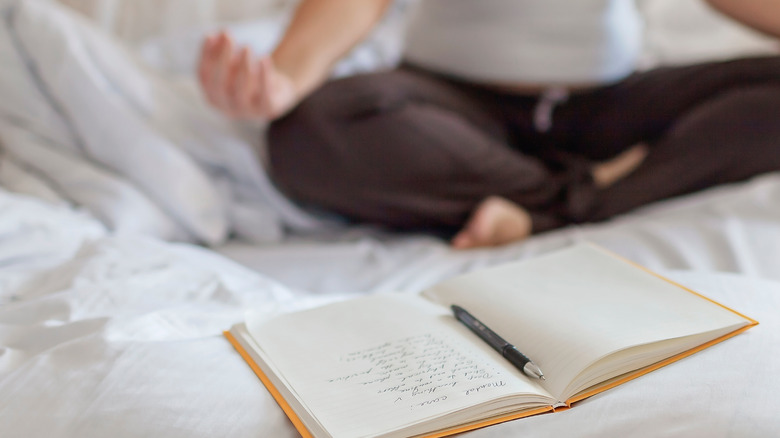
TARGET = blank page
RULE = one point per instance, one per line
(570, 308)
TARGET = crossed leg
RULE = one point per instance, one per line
(410, 152)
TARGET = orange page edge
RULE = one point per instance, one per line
(661, 364)
(301, 428)
(270, 387)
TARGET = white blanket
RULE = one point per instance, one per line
(141, 151)
(120, 336)
(107, 336)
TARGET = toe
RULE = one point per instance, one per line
(463, 240)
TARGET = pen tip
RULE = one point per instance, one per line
(532, 370)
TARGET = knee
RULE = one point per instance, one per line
(297, 146)
(349, 99)
(759, 97)
(321, 119)
(320, 138)
(325, 118)
(745, 109)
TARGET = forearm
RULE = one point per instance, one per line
(321, 32)
(761, 15)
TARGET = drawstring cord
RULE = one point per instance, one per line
(548, 101)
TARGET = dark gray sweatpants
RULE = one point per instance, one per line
(409, 149)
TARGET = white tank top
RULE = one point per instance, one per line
(540, 42)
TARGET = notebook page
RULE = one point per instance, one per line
(570, 308)
(374, 364)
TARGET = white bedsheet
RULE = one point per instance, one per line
(119, 336)
(102, 335)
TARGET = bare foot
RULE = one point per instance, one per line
(607, 173)
(496, 221)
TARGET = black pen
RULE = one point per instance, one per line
(509, 351)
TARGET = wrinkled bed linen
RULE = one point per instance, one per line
(103, 335)
(141, 150)
(106, 335)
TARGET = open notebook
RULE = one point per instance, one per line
(398, 365)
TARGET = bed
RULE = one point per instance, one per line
(112, 301)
